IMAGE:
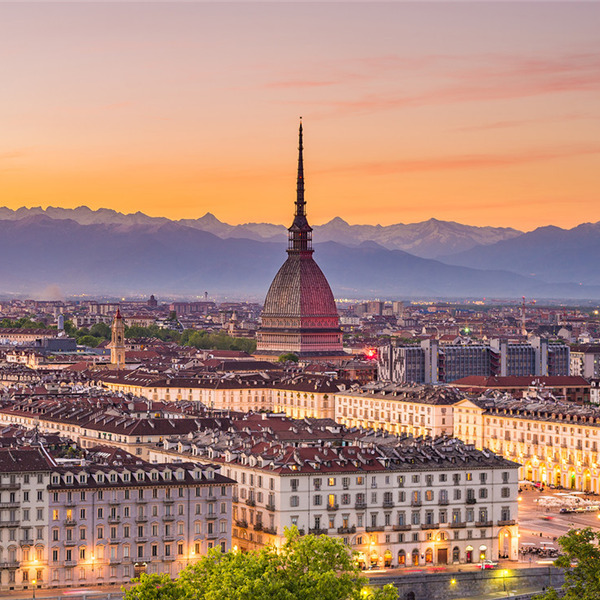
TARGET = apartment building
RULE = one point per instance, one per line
(432, 362)
(89, 424)
(555, 442)
(418, 410)
(108, 524)
(398, 503)
(298, 396)
(24, 477)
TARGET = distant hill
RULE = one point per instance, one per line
(167, 257)
(550, 253)
(429, 239)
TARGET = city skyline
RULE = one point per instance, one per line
(411, 111)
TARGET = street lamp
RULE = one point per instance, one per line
(33, 583)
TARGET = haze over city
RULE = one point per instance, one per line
(481, 113)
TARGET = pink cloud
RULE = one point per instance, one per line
(468, 161)
(498, 77)
(524, 122)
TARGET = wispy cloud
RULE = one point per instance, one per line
(448, 79)
(468, 161)
(299, 84)
(508, 123)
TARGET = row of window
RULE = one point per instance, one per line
(482, 515)
(401, 480)
(416, 497)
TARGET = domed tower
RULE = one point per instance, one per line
(299, 314)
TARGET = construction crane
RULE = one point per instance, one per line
(523, 328)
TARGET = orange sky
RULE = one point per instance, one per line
(483, 113)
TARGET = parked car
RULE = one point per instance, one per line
(487, 564)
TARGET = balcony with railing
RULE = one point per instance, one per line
(506, 522)
(457, 525)
(343, 530)
(270, 507)
(317, 531)
(241, 523)
(483, 523)
(10, 486)
(375, 528)
(405, 527)
(10, 523)
(360, 505)
(332, 506)
(430, 525)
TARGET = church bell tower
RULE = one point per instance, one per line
(117, 342)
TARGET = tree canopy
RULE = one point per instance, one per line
(289, 357)
(581, 562)
(22, 323)
(306, 567)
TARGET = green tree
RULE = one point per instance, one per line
(289, 357)
(581, 562)
(88, 340)
(100, 330)
(306, 568)
(155, 587)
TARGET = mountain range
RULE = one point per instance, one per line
(104, 251)
(429, 239)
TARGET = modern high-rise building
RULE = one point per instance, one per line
(300, 315)
(431, 363)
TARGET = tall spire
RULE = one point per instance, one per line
(300, 180)
(300, 233)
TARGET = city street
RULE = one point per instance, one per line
(539, 525)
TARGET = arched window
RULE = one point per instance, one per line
(456, 554)
(428, 555)
(401, 557)
(415, 557)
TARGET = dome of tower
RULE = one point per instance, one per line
(300, 290)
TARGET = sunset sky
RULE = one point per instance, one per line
(482, 113)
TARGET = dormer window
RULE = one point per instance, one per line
(69, 479)
(55, 479)
(100, 477)
(140, 476)
(82, 478)
(167, 475)
(180, 474)
(125, 476)
(154, 476)
(113, 477)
